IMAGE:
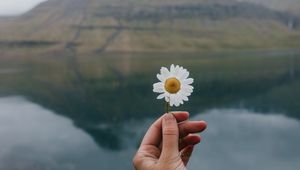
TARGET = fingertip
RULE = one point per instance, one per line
(196, 139)
(181, 115)
(169, 117)
(203, 124)
(193, 139)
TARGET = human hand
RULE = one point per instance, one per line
(168, 143)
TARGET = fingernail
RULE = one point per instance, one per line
(169, 117)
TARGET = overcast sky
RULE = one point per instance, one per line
(15, 7)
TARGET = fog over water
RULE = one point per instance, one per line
(241, 139)
(17, 7)
(33, 137)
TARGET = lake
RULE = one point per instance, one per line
(74, 113)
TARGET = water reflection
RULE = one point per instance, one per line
(102, 89)
(32, 137)
(240, 139)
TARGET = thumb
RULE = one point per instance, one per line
(170, 135)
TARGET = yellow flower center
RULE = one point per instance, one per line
(172, 85)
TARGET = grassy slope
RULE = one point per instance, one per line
(78, 22)
(284, 5)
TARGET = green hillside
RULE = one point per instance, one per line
(283, 5)
(181, 25)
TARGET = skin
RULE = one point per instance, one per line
(168, 143)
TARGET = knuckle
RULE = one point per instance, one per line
(182, 131)
(170, 131)
(135, 161)
(155, 126)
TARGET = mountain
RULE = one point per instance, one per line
(64, 55)
(292, 6)
(93, 26)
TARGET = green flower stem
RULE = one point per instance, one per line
(167, 107)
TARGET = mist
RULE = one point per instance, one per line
(17, 7)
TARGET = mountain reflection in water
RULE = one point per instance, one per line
(32, 137)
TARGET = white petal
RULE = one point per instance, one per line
(185, 74)
(165, 72)
(187, 89)
(188, 81)
(167, 97)
(189, 86)
(180, 73)
(158, 87)
(158, 90)
(172, 68)
(183, 96)
(160, 77)
(179, 102)
(176, 70)
(172, 100)
(177, 99)
(161, 96)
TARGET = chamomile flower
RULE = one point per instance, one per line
(174, 85)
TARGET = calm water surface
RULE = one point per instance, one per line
(33, 137)
(62, 114)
